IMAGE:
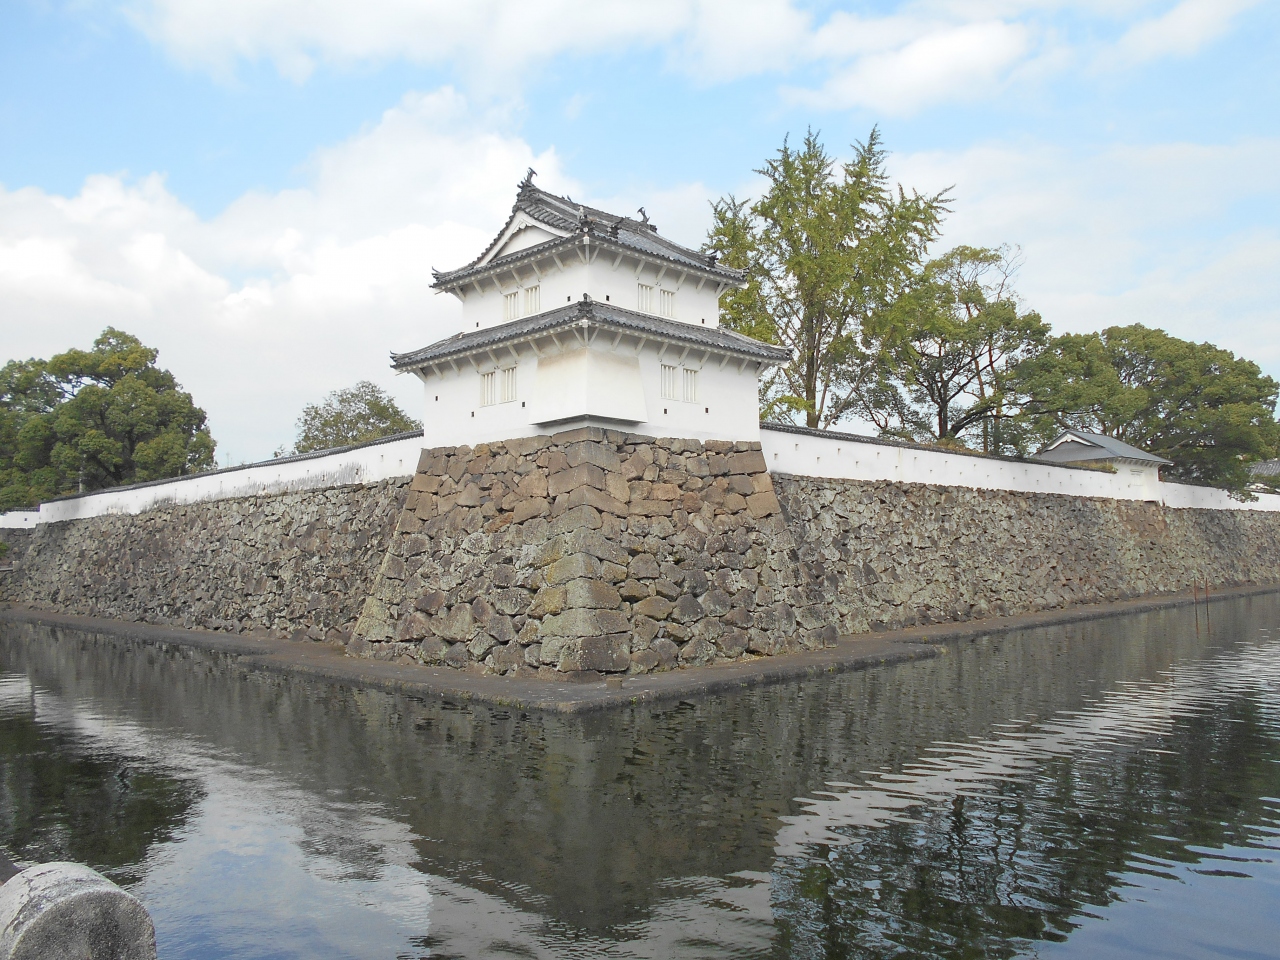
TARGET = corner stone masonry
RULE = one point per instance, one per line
(592, 550)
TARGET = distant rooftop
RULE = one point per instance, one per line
(1265, 468)
(1080, 446)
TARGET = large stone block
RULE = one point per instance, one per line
(459, 624)
(573, 567)
(571, 623)
(608, 654)
(583, 475)
(593, 594)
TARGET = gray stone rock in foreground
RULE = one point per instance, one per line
(65, 911)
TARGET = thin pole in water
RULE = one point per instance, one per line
(1208, 623)
(1195, 603)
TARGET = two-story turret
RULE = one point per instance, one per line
(577, 317)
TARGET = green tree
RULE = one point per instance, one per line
(359, 413)
(824, 250)
(1208, 411)
(951, 342)
(89, 419)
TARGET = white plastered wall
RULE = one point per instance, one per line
(851, 459)
(800, 455)
(568, 394)
(368, 464)
(696, 301)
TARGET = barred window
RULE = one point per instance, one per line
(644, 298)
(669, 303)
(511, 306)
(691, 386)
(488, 388)
(532, 300)
(509, 382)
(669, 383)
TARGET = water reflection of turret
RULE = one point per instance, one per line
(592, 821)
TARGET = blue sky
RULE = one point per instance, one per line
(260, 187)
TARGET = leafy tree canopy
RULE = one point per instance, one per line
(1195, 404)
(355, 415)
(949, 344)
(824, 249)
(89, 419)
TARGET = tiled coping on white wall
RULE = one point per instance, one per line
(817, 453)
(365, 463)
(791, 450)
(19, 520)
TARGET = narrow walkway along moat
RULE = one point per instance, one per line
(1098, 788)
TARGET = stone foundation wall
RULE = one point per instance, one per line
(591, 551)
(17, 540)
(601, 551)
(893, 555)
(298, 564)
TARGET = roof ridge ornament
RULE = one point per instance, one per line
(527, 182)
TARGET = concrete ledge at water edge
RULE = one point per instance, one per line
(66, 911)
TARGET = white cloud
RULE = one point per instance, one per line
(283, 296)
(1181, 31)
(488, 35)
(1127, 234)
(941, 65)
(920, 53)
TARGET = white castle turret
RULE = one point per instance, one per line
(577, 317)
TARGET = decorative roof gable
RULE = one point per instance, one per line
(568, 223)
(1100, 447)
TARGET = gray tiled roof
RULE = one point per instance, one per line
(597, 314)
(1110, 445)
(609, 229)
(1265, 468)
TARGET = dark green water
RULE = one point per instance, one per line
(1102, 790)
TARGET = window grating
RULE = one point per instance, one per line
(668, 301)
(691, 386)
(509, 384)
(511, 306)
(488, 388)
(669, 382)
(644, 298)
(532, 300)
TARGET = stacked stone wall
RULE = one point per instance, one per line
(17, 540)
(602, 551)
(298, 564)
(591, 551)
(894, 555)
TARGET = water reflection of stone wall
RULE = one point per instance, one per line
(589, 821)
(298, 564)
(894, 555)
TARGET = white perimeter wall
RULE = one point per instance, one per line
(797, 454)
(848, 458)
(368, 464)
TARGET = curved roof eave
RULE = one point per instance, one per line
(458, 278)
(591, 313)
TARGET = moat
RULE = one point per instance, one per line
(1105, 788)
